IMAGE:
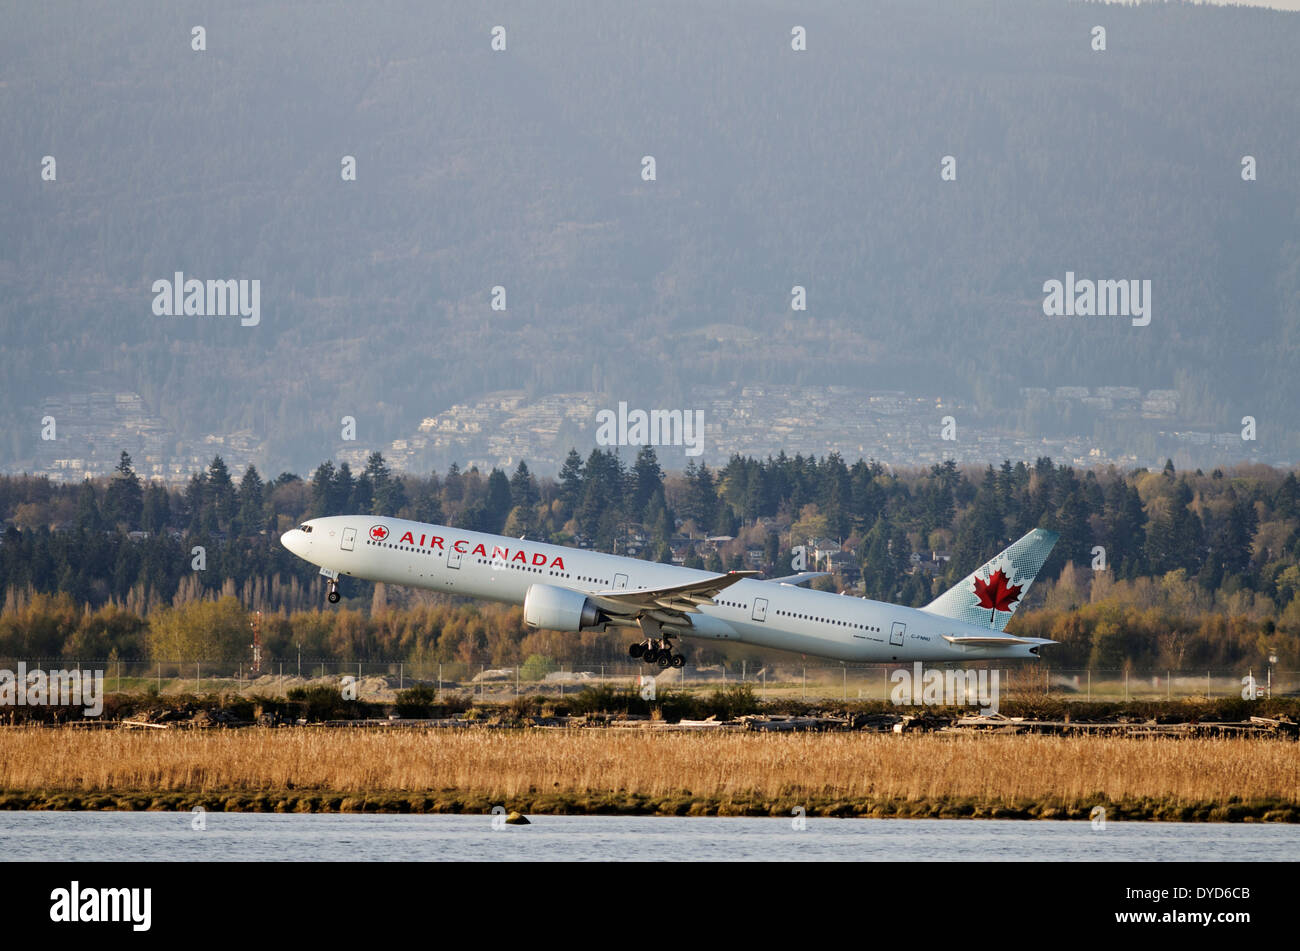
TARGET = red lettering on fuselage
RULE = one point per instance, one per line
(538, 559)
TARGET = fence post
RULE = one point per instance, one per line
(845, 671)
(805, 682)
(1126, 685)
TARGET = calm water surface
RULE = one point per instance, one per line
(115, 836)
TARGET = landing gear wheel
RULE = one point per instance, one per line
(679, 661)
(664, 659)
(651, 655)
(334, 597)
(635, 650)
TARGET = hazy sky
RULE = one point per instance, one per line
(1275, 4)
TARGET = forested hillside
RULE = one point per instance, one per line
(523, 169)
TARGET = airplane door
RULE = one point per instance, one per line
(896, 633)
(349, 538)
(620, 581)
(760, 609)
(453, 557)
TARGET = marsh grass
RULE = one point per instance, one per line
(639, 771)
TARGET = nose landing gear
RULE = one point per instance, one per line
(333, 596)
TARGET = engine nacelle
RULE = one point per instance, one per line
(559, 609)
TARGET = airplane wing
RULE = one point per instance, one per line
(801, 578)
(666, 605)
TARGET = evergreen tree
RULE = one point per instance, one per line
(453, 487)
(498, 503)
(251, 513)
(123, 500)
(523, 488)
(571, 483)
(362, 499)
(322, 490)
(221, 492)
(89, 519)
(602, 488)
(647, 480)
(428, 508)
(155, 513)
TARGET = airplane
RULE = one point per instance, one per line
(571, 589)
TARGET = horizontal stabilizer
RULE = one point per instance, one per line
(993, 640)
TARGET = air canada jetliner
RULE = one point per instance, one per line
(570, 589)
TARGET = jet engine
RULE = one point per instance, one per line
(559, 609)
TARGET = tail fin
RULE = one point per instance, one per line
(988, 596)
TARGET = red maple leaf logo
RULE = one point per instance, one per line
(995, 593)
(379, 533)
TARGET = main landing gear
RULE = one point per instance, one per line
(334, 591)
(656, 648)
(657, 651)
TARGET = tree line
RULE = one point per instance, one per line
(105, 565)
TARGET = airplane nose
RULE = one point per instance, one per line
(296, 541)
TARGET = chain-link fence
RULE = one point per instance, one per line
(380, 680)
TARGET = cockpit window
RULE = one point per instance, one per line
(305, 528)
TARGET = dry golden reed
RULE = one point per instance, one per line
(509, 764)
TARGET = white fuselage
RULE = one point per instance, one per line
(782, 616)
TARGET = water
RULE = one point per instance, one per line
(145, 836)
